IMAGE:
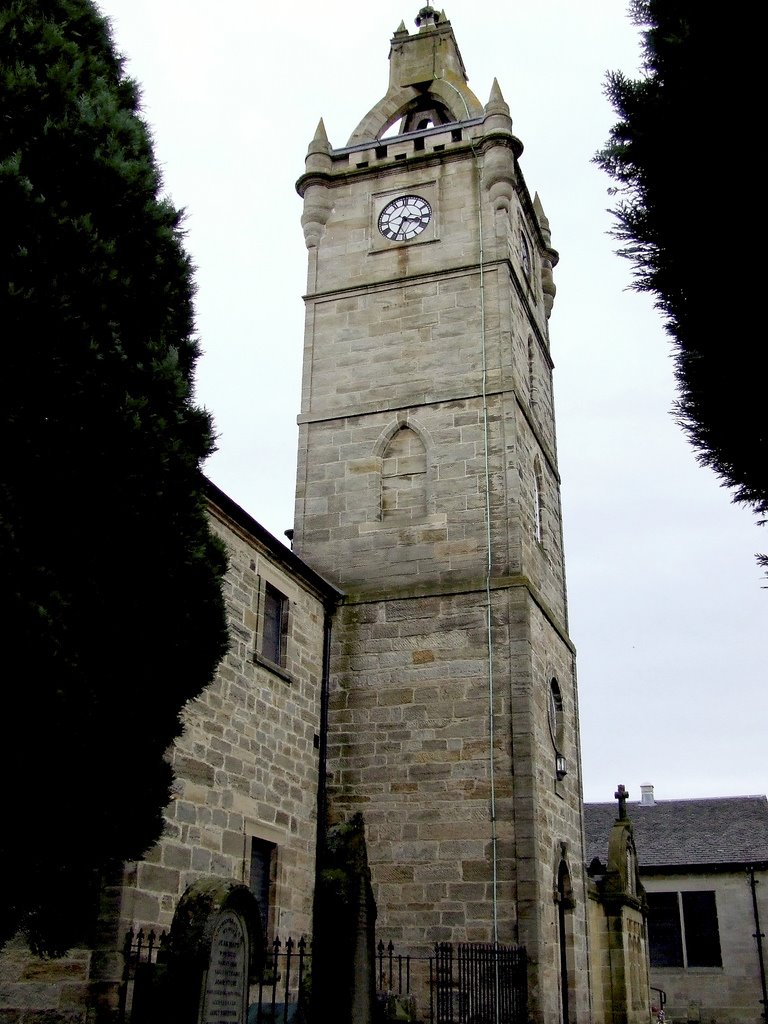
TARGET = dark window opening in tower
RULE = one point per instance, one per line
(555, 715)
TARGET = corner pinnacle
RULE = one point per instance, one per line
(320, 143)
(496, 103)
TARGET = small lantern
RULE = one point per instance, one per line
(561, 767)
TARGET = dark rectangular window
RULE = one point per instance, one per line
(691, 915)
(260, 884)
(702, 935)
(664, 934)
(275, 625)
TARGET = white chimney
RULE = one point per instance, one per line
(646, 796)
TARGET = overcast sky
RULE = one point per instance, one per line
(666, 606)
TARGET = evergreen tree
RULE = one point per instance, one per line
(110, 581)
(687, 212)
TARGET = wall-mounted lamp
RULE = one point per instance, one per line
(561, 767)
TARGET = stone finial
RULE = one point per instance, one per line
(319, 143)
(318, 159)
(401, 30)
(622, 795)
(496, 103)
(312, 186)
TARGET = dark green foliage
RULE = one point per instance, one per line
(689, 214)
(343, 927)
(110, 591)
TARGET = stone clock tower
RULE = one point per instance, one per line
(428, 491)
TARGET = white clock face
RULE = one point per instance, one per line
(404, 218)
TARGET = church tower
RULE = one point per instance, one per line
(428, 491)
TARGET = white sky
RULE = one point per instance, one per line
(666, 606)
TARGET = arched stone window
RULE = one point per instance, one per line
(565, 903)
(404, 476)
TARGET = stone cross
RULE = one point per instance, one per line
(622, 795)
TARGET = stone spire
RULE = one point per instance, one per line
(317, 200)
(319, 146)
(496, 103)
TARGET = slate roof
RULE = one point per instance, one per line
(686, 833)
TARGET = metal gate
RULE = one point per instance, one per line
(478, 983)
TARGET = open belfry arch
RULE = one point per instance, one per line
(428, 491)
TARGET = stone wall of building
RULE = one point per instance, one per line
(409, 747)
(428, 489)
(732, 992)
(246, 764)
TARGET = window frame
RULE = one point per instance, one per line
(688, 929)
(274, 608)
(267, 889)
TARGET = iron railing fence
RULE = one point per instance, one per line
(275, 999)
(466, 983)
(469, 983)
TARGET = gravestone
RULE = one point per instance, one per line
(225, 996)
(216, 953)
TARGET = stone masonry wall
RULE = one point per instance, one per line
(409, 747)
(732, 992)
(246, 763)
(419, 337)
(548, 812)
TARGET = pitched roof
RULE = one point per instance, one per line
(677, 833)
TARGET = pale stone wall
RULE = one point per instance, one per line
(246, 764)
(339, 491)
(426, 336)
(548, 821)
(717, 994)
(599, 957)
(409, 747)
(618, 961)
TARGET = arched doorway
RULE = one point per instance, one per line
(564, 906)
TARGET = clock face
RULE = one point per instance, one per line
(404, 218)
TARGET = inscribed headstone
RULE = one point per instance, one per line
(225, 1000)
